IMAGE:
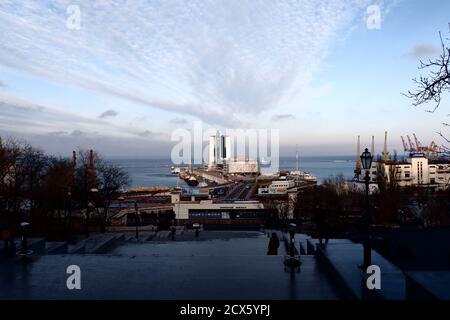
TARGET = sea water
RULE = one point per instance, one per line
(156, 172)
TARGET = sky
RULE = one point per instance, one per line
(121, 76)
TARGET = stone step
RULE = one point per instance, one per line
(341, 258)
(37, 245)
(60, 247)
(162, 235)
(97, 244)
(103, 243)
(78, 248)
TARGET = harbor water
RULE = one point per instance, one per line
(156, 172)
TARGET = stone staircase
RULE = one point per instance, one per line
(95, 244)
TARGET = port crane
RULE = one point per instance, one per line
(432, 150)
(418, 145)
(405, 147)
(411, 147)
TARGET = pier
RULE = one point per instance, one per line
(211, 175)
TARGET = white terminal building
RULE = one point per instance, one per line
(242, 166)
(416, 170)
(419, 169)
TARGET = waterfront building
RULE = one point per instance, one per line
(415, 171)
(277, 187)
(422, 167)
(209, 211)
(242, 166)
(219, 150)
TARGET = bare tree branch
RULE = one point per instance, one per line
(431, 87)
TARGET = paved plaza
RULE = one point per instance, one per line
(217, 265)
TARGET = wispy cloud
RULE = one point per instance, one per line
(215, 60)
(179, 121)
(108, 113)
(145, 133)
(280, 117)
(49, 127)
(423, 51)
(2, 84)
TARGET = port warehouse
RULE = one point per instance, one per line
(199, 213)
(209, 212)
(201, 209)
(199, 206)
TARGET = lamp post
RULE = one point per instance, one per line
(197, 229)
(136, 212)
(24, 228)
(292, 227)
(120, 199)
(69, 212)
(90, 207)
(366, 161)
(292, 261)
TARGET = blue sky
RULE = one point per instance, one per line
(137, 70)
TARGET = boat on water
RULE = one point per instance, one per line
(175, 170)
(182, 175)
(264, 161)
(301, 175)
(191, 181)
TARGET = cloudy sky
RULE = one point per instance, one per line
(137, 70)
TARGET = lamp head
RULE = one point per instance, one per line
(366, 159)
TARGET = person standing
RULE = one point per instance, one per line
(321, 224)
(274, 243)
(7, 237)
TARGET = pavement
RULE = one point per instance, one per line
(343, 259)
(217, 265)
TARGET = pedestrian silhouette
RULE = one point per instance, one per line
(274, 243)
(7, 236)
(321, 224)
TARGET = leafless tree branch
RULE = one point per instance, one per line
(431, 87)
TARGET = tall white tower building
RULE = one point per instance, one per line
(219, 149)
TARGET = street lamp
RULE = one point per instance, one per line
(120, 199)
(291, 228)
(292, 261)
(366, 161)
(197, 229)
(90, 208)
(136, 211)
(24, 228)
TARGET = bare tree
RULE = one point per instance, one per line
(45, 189)
(112, 179)
(432, 86)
